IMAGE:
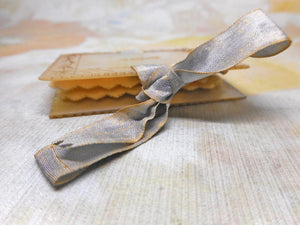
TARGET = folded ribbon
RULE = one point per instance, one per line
(252, 35)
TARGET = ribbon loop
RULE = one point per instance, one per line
(254, 35)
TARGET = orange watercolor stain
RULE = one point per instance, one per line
(292, 6)
(185, 42)
(265, 75)
(39, 34)
(293, 30)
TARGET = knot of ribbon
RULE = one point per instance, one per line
(159, 83)
(252, 35)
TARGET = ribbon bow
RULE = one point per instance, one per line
(252, 35)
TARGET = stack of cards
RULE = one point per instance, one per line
(95, 83)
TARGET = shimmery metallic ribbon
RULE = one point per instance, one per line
(252, 35)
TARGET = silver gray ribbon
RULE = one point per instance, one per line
(252, 35)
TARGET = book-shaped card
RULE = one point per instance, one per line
(93, 83)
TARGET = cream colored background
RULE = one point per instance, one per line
(222, 163)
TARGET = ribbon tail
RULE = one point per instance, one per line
(70, 155)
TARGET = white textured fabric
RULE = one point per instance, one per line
(221, 163)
